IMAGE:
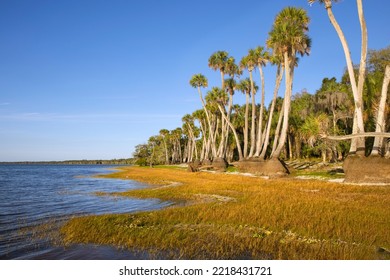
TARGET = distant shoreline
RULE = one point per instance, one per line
(74, 162)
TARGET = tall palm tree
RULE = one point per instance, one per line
(198, 81)
(164, 133)
(249, 62)
(262, 57)
(275, 60)
(217, 61)
(380, 120)
(288, 38)
(359, 146)
(245, 87)
(219, 97)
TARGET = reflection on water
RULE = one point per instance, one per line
(32, 196)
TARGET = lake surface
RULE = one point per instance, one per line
(32, 196)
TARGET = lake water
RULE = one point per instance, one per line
(34, 195)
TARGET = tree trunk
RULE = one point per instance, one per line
(166, 151)
(277, 131)
(227, 123)
(279, 77)
(240, 155)
(260, 137)
(287, 104)
(209, 123)
(246, 126)
(253, 126)
(223, 80)
(363, 56)
(359, 135)
(381, 120)
(358, 102)
(290, 146)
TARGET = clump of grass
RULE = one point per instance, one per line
(262, 219)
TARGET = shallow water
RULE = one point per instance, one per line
(34, 195)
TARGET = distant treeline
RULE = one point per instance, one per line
(74, 162)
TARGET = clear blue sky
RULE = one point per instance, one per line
(90, 79)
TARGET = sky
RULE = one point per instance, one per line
(91, 79)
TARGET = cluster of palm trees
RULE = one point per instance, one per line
(222, 130)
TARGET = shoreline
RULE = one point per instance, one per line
(231, 217)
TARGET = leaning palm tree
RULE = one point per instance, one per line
(288, 38)
(356, 89)
(217, 61)
(198, 81)
(219, 98)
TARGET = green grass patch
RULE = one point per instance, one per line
(229, 216)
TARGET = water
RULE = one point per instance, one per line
(33, 195)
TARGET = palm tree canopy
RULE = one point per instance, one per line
(261, 55)
(230, 85)
(245, 86)
(288, 32)
(217, 95)
(198, 80)
(217, 60)
(231, 68)
(249, 62)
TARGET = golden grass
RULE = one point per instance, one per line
(229, 216)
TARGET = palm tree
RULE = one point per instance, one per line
(275, 60)
(200, 116)
(217, 61)
(288, 38)
(231, 68)
(219, 97)
(245, 87)
(250, 62)
(357, 91)
(262, 57)
(198, 81)
(380, 120)
(164, 133)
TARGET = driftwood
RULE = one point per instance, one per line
(357, 135)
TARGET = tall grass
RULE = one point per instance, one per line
(224, 216)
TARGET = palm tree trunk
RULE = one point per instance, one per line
(287, 104)
(204, 141)
(209, 123)
(363, 56)
(380, 120)
(166, 151)
(279, 77)
(227, 123)
(253, 125)
(240, 155)
(277, 131)
(358, 102)
(222, 140)
(260, 138)
(223, 80)
(246, 126)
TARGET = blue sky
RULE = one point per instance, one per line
(91, 79)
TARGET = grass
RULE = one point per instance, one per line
(226, 216)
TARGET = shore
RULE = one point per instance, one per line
(231, 216)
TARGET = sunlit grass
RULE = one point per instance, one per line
(226, 216)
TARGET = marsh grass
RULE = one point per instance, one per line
(227, 216)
